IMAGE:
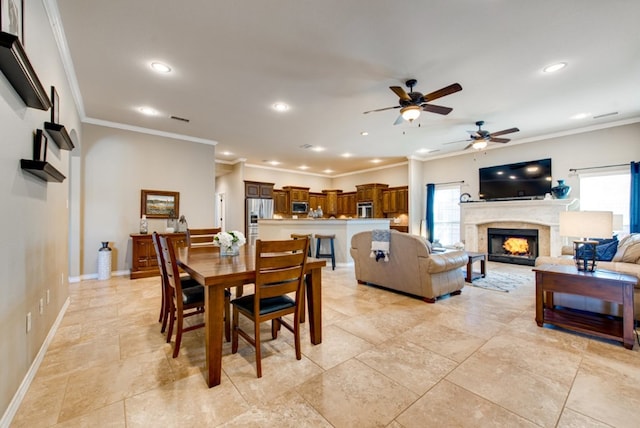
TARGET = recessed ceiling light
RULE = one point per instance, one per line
(554, 67)
(227, 153)
(148, 111)
(303, 167)
(580, 116)
(274, 163)
(318, 149)
(364, 133)
(160, 67)
(376, 160)
(280, 107)
(346, 155)
(328, 171)
(423, 150)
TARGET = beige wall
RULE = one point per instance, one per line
(618, 145)
(117, 165)
(280, 178)
(34, 247)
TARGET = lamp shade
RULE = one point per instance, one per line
(410, 113)
(586, 224)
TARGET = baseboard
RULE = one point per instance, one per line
(73, 279)
(11, 411)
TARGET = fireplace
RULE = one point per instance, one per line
(516, 246)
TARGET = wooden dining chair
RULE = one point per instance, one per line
(201, 237)
(280, 267)
(185, 302)
(186, 282)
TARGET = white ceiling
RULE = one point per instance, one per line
(331, 60)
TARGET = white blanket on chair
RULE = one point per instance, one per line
(380, 244)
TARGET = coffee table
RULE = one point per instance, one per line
(475, 257)
(601, 284)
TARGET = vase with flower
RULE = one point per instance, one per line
(229, 242)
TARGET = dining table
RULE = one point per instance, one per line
(218, 272)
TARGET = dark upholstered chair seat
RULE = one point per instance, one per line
(271, 304)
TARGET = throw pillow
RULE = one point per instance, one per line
(605, 250)
(628, 249)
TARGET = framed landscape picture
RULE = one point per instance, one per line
(160, 204)
(12, 18)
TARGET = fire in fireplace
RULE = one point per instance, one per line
(516, 246)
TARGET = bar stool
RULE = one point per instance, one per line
(332, 254)
(299, 236)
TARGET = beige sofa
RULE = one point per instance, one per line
(411, 268)
(626, 260)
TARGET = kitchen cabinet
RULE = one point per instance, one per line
(258, 190)
(395, 200)
(331, 206)
(318, 200)
(347, 204)
(280, 202)
(372, 193)
(297, 194)
(144, 261)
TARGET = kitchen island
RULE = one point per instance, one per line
(344, 229)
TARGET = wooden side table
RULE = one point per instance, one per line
(601, 284)
(476, 257)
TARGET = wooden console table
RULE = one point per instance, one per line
(144, 261)
(600, 284)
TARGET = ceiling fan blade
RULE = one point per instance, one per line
(442, 92)
(436, 109)
(400, 93)
(381, 109)
(468, 147)
(499, 140)
(505, 131)
(399, 120)
(456, 142)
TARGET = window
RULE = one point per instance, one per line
(446, 212)
(608, 191)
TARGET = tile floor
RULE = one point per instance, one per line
(386, 360)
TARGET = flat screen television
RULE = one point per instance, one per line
(522, 180)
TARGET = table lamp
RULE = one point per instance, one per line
(584, 225)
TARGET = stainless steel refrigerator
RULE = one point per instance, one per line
(257, 209)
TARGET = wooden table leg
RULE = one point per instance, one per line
(627, 316)
(314, 304)
(213, 325)
(539, 299)
(470, 270)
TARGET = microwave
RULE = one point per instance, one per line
(299, 207)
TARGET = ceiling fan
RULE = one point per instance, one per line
(410, 104)
(480, 138)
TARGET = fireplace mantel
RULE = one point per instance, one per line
(543, 215)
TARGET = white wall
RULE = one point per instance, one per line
(34, 245)
(117, 165)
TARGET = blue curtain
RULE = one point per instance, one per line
(431, 192)
(634, 203)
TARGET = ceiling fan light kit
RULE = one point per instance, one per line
(479, 145)
(410, 113)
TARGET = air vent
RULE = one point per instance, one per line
(181, 119)
(306, 146)
(613, 113)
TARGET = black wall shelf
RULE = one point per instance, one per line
(60, 135)
(43, 170)
(15, 65)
